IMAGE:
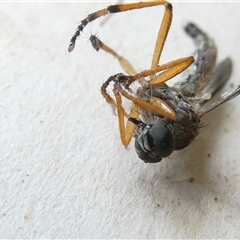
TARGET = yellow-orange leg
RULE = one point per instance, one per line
(158, 106)
(126, 133)
(126, 65)
(167, 18)
(162, 33)
(172, 69)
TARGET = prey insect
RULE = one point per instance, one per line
(163, 119)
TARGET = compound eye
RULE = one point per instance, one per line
(155, 142)
(160, 140)
(145, 156)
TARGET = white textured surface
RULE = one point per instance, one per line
(63, 170)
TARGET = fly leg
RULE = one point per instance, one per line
(126, 65)
(167, 18)
(155, 105)
(126, 132)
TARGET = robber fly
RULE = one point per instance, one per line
(163, 119)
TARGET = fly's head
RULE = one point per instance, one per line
(153, 141)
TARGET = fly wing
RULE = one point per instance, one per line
(219, 77)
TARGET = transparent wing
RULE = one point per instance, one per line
(219, 77)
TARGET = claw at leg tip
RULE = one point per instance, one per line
(71, 47)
